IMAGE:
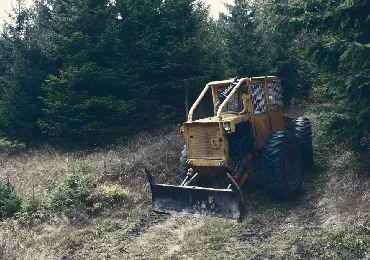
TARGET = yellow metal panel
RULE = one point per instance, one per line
(277, 120)
(205, 141)
(232, 118)
(203, 162)
(263, 130)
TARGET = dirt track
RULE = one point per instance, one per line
(306, 228)
(328, 220)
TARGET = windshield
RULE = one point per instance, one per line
(205, 107)
(234, 105)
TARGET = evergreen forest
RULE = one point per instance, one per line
(91, 92)
(91, 72)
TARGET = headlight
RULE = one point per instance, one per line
(227, 127)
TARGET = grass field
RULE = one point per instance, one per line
(330, 219)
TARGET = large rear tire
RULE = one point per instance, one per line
(303, 132)
(184, 166)
(281, 165)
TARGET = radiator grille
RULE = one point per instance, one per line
(200, 138)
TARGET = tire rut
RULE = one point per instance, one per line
(146, 222)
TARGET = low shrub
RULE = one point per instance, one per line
(82, 190)
(75, 190)
(34, 209)
(105, 197)
(10, 202)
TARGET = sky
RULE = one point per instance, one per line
(6, 6)
(216, 6)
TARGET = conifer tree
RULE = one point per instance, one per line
(333, 44)
(23, 69)
(96, 95)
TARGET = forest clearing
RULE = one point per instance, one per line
(328, 220)
(92, 92)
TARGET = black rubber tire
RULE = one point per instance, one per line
(303, 132)
(281, 165)
(184, 166)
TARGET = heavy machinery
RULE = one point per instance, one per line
(248, 132)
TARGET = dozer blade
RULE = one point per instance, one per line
(222, 203)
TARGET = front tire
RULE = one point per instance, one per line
(303, 132)
(281, 165)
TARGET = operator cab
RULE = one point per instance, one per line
(253, 106)
(235, 105)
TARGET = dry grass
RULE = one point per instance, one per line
(346, 195)
(38, 172)
(41, 170)
(329, 220)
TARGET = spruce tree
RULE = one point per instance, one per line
(95, 97)
(23, 69)
(332, 42)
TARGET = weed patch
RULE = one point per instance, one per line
(10, 202)
(349, 245)
(75, 190)
(82, 189)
